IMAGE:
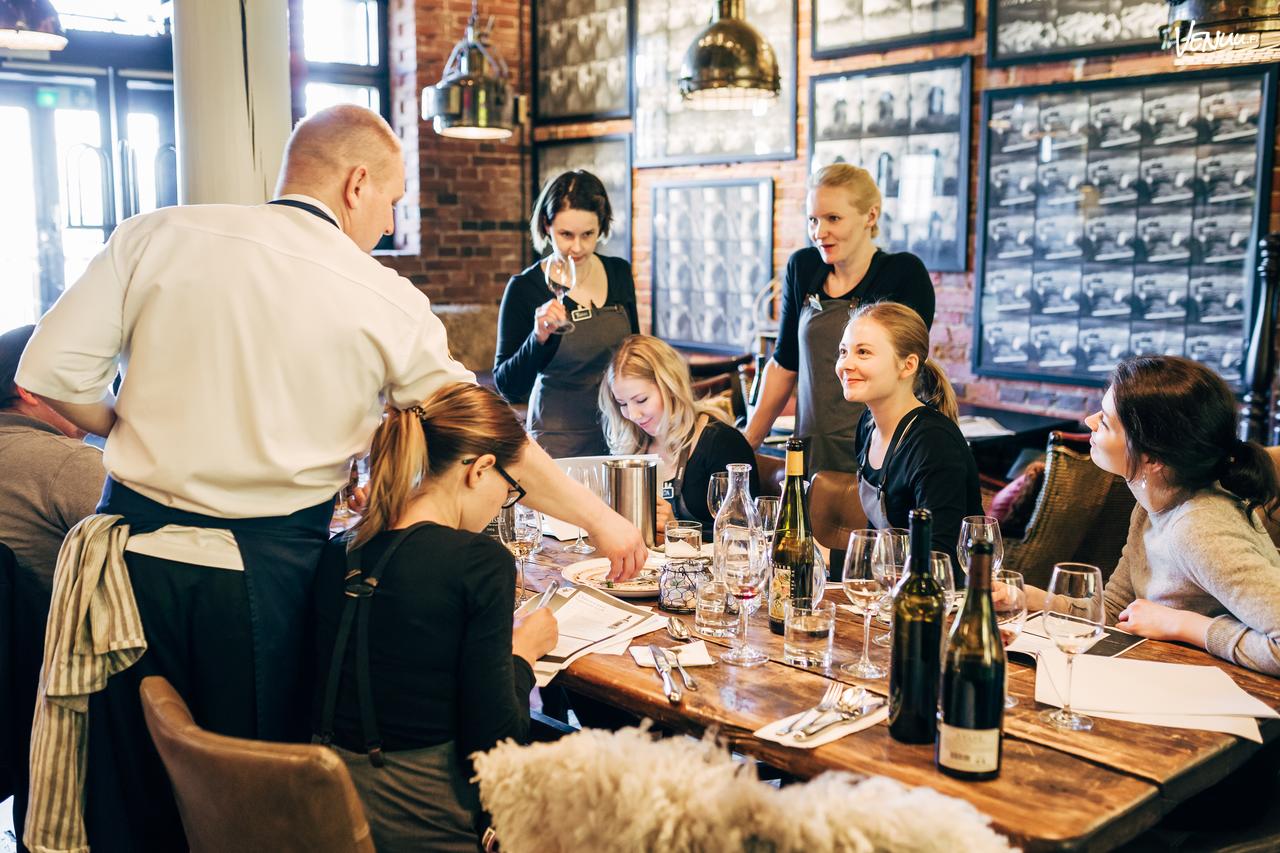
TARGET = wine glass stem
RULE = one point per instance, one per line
(520, 580)
(1066, 700)
(742, 623)
(866, 633)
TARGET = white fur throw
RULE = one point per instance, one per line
(625, 791)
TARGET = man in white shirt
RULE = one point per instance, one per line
(258, 346)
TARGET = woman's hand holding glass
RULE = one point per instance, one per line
(551, 318)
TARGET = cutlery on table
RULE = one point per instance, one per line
(689, 683)
(825, 706)
(677, 629)
(664, 669)
(849, 708)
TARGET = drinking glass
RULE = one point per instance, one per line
(711, 616)
(589, 477)
(863, 590)
(808, 631)
(717, 488)
(1010, 600)
(345, 512)
(1073, 619)
(683, 539)
(520, 529)
(888, 561)
(979, 528)
(744, 570)
(561, 276)
(768, 507)
(944, 573)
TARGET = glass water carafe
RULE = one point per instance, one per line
(738, 535)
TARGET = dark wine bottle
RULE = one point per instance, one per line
(972, 712)
(915, 662)
(792, 549)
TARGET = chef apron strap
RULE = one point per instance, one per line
(675, 486)
(899, 431)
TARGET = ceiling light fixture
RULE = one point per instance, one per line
(30, 25)
(473, 99)
(730, 65)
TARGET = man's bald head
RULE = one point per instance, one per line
(326, 146)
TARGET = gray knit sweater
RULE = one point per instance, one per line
(1205, 555)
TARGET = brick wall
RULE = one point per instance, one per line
(463, 183)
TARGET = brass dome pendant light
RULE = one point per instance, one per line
(473, 99)
(30, 25)
(730, 65)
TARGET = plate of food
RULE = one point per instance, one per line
(595, 573)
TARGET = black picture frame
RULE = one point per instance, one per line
(1121, 217)
(669, 134)
(712, 253)
(563, 50)
(1020, 31)
(903, 26)
(606, 157)
(863, 118)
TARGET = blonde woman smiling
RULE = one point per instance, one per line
(647, 400)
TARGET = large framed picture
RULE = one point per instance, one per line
(1045, 30)
(712, 252)
(609, 159)
(847, 27)
(581, 60)
(1120, 218)
(908, 125)
(668, 132)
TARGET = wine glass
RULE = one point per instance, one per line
(345, 507)
(520, 529)
(1010, 600)
(768, 507)
(588, 476)
(717, 488)
(863, 589)
(561, 277)
(944, 573)
(888, 562)
(744, 572)
(979, 528)
(1073, 619)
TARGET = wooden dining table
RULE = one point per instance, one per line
(1056, 790)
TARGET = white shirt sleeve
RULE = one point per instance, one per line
(425, 366)
(75, 351)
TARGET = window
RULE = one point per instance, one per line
(125, 17)
(344, 51)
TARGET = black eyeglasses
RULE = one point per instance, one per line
(515, 492)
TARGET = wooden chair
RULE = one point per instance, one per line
(728, 385)
(1081, 515)
(835, 510)
(772, 471)
(236, 794)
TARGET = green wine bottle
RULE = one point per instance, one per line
(792, 548)
(973, 681)
(915, 661)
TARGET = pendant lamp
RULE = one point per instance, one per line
(473, 99)
(30, 25)
(730, 65)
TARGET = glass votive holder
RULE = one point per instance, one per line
(808, 633)
(678, 582)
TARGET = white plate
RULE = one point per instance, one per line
(594, 571)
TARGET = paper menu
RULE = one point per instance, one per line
(587, 616)
(1034, 638)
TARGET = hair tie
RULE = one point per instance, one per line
(419, 411)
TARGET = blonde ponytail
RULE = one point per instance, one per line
(397, 460)
(934, 390)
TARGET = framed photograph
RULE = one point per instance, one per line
(1119, 218)
(606, 157)
(581, 60)
(908, 125)
(848, 27)
(712, 253)
(1045, 30)
(667, 131)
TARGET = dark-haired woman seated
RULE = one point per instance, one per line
(1197, 567)
(447, 674)
(911, 454)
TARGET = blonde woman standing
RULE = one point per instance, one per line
(648, 406)
(842, 270)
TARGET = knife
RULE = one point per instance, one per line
(664, 669)
(820, 726)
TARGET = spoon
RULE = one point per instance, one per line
(677, 629)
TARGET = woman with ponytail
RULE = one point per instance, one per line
(1197, 567)
(447, 674)
(911, 454)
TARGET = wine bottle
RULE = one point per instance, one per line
(972, 712)
(792, 549)
(915, 661)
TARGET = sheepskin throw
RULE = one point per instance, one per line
(625, 791)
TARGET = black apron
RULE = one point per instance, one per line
(872, 497)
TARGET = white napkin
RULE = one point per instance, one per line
(834, 733)
(561, 530)
(690, 654)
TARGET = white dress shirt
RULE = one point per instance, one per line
(258, 345)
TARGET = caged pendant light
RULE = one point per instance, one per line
(473, 99)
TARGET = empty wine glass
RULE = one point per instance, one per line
(588, 476)
(520, 529)
(863, 590)
(744, 570)
(348, 506)
(717, 488)
(1009, 595)
(768, 507)
(889, 560)
(944, 572)
(1073, 619)
(979, 528)
(561, 276)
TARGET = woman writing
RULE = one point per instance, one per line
(448, 674)
(558, 373)
(1197, 566)
(842, 270)
(910, 451)
(648, 406)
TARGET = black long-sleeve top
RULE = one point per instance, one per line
(719, 445)
(931, 468)
(891, 277)
(440, 659)
(519, 357)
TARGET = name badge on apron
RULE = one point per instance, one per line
(580, 314)
(814, 302)
(669, 490)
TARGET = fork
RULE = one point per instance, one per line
(827, 704)
(689, 682)
(853, 703)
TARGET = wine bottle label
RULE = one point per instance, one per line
(795, 463)
(779, 592)
(968, 750)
